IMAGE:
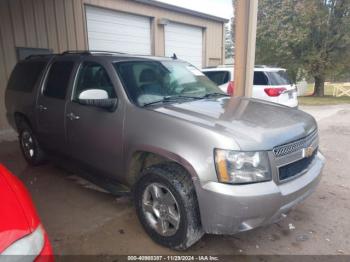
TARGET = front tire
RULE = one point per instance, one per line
(167, 206)
(30, 147)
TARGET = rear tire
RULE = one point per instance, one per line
(30, 147)
(167, 206)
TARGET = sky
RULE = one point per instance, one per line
(221, 8)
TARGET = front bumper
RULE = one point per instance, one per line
(228, 209)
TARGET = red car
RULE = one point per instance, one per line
(21, 232)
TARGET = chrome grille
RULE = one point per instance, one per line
(295, 168)
(284, 150)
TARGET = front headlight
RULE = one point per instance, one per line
(237, 167)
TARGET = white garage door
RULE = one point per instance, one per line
(185, 41)
(109, 30)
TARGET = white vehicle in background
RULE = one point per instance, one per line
(270, 83)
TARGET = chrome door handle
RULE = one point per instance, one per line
(42, 108)
(71, 116)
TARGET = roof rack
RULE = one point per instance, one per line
(92, 52)
(76, 52)
(38, 55)
(106, 52)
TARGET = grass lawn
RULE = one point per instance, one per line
(328, 99)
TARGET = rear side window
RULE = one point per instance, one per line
(278, 78)
(218, 77)
(25, 75)
(58, 79)
(260, 79)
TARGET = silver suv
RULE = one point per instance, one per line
(195, 160)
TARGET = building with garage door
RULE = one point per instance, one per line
(144, 27)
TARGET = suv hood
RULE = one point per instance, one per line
(253, 124)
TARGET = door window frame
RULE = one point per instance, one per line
(76, 77)
(47, 73)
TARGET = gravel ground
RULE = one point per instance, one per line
(82, 219)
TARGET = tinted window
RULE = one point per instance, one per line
(218, 77)
(148, 82)
(93, 76)
(278, 78)
(58, 79)
(260, 79)
(25, 76)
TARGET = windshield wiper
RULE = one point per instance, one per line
(170, 99)
(181, 97)
(212, 95)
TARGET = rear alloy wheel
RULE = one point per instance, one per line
(167, 206)
(30, 147)
(27, 144)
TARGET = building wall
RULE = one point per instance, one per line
(60, 25)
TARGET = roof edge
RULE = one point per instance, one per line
(182, 10)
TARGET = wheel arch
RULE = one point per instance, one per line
(146, 157)
(19, 118)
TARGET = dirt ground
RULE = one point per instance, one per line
(80, 219)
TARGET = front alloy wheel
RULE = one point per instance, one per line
(167, 206)
(161, 209)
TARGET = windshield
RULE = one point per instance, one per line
(147, 82)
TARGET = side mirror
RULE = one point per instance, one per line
(98, 98)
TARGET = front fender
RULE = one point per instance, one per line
(163, 153)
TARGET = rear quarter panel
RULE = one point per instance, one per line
(20, 102)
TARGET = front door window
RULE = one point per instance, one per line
(93, 76)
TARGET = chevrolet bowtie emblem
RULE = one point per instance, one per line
(308, 151)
